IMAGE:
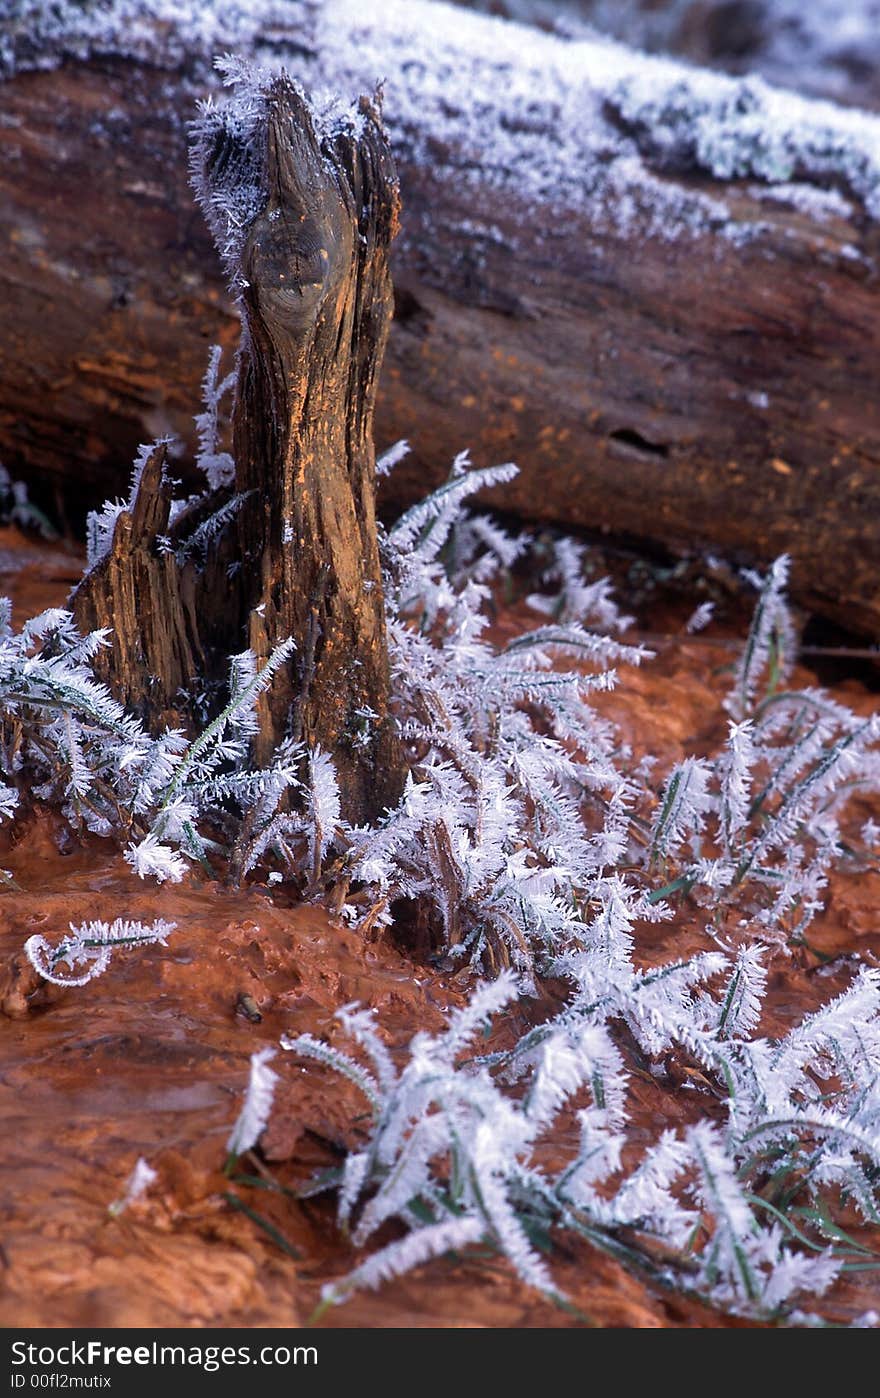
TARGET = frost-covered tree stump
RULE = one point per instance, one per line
(652, 287)
(303, 208)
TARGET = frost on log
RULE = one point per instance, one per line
(303, 209)
(652, 287)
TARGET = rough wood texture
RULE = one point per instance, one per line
(717, 388)
(316, 302)
(317, 306)
(148, 603)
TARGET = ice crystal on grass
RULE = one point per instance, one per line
(699, 618)
(734, 770)
(91, 945)
(136, 1186)
(683, 807)
(152, 859)
(453, 1149)
(8, 801)
(570, 597)
(257, 1106)
(770, 646)
(218, 466)
(324, 808)
(391, 458)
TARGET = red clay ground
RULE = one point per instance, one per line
(151, 1060)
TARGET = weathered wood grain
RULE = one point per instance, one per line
(312, 272)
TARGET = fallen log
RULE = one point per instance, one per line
(828, 51)
(653, 288)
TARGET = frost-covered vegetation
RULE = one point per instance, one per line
(738, 1204)
(530, 840)
(534, 843)
(91, 946)
(16, 508)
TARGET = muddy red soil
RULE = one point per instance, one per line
(152, 1059)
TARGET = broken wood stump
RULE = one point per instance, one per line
(305, 215)
(147, 602)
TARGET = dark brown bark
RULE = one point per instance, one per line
(719, 390)
(316, 304)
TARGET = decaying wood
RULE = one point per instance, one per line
(711, 384)
(148, 604)
(316, 303)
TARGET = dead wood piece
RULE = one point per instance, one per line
(316, 300)
(317, 304)
(147, 602)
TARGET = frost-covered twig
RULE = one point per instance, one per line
(91, 944)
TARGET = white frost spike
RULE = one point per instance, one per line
(573, 599)
(744, 994)
(795, 1272)
(325, 803)
(152, 859)
(403, 1256)
(568, 1061)
(771, 639)
(218, 466)
(684, 806)
(735, 772)
(721, 1193)
(437, 513)
(8, 800)
(361, 1025)
(137, 1184)
(488, 999)
(252, 1119)
(699, 618)
(390, 458)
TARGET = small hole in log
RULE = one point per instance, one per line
(627, 437)
(408, 310)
